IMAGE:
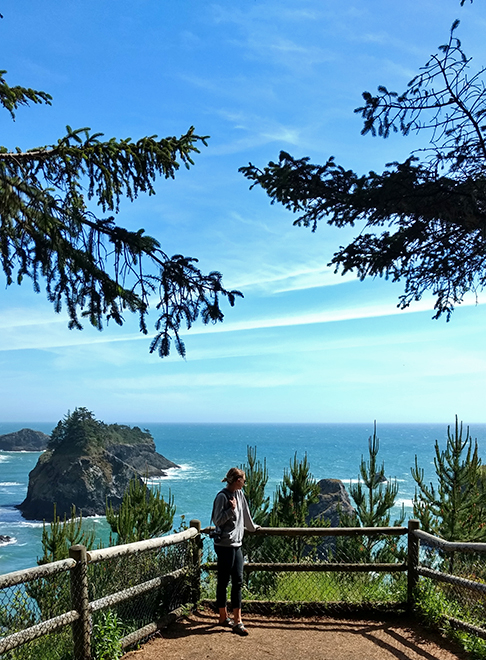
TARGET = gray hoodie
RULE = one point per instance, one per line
(231, 523)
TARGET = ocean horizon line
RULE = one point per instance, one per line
(260, 423)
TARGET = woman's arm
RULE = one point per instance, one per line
(247, 519)
(222, 510)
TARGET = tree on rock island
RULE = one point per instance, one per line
(422, 220)
(79, 430)
(57, 227)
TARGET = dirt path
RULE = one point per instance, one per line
(196, 637)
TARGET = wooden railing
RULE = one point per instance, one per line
(31, 633)
(321, 567)
(80, 614)
(450, 547)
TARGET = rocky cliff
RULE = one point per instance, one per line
(142, 457)
(86, 473)
(333, 501)
(85, 482)
(24, 440)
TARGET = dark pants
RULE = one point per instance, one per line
(230, 565)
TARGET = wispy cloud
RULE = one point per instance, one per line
(254, 379)
(33, 337)
(256, 131)
(312, 318)
(17, 317)
(268, 35)
(299, 279)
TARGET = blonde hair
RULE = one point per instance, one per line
(233, 475)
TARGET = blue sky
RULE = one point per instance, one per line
(257, 76)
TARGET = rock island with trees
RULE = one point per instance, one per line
(87, 464)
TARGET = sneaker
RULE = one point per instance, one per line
(239, 629)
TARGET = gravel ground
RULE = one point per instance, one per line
(197, 637)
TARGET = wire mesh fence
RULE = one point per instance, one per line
(35, 609)
(327, 569)
(451, 591)
(144, 586)
(96, 604)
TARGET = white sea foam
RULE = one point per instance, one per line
(22, 451)
(183, 472)
(95, 519)
(10, 483)
(4, 458)
(12, 540)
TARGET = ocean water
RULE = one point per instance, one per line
(206, 451)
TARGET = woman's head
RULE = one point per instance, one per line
(233, 475)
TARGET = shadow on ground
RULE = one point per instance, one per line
(197, 637)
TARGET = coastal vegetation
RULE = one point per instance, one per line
(374, 499)
(143, 513)
(81, 430)
(374, 496)
(455, 508)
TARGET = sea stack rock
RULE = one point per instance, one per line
(87, 463)
(24, 440)
(333, 502)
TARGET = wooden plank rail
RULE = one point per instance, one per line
(466, 627)
(141, 546)
(136, 590)
(324, 531)
(38, 630)
(304, 567)
(46, 570)
(452, 579)
(73, 617)
(152, 628)
(449, 546)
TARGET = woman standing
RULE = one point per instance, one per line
(231, 516)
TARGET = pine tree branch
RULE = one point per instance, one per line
(422, 221)
(97, 269)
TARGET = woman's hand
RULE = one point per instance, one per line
(233, 503)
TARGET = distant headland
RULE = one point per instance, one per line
(24, 440)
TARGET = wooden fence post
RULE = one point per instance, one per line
(197, 558)
(80, 602)
(413, 560)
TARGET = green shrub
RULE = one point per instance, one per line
(107, 633)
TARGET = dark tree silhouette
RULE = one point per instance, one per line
(422, 221)
(57, 227)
